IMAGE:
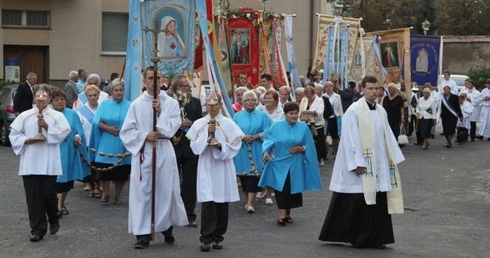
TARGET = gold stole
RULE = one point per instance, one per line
(368, 145)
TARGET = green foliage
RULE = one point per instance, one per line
(479, 77)
(446, 17)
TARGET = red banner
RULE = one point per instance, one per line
(244, 49)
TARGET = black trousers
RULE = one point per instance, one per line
(188, 173)
(214, 221)
(473, 130)
(41, 201)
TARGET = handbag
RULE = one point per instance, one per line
(313, 129)
(402, 138)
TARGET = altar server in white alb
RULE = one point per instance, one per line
(138, 137)
(216, 178)
(40, 161)
(365, 180)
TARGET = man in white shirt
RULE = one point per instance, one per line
(448, 82)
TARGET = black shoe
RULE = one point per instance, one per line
(205, 247)
(379, 246)
(192, 224)
(416, 143)
(53, 228)
(142, 244)
(217, 245)
(472, 140)
(170, 239)
(432, 135)
(59, 214)
(36, 238)
(480, 137)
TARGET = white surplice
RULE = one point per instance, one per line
(216, 177)
(39, 158)
(169, 208)
(349, 155)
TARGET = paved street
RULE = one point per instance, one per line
(446, 195)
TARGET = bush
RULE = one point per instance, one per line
(479, 77)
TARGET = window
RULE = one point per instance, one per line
(114, 32)
(30, 19)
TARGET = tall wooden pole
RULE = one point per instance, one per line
(156, 30)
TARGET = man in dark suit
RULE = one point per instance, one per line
(347, 96)
(71, 89)
(24, 96)
(186, 159)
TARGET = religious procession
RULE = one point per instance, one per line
(207, 112)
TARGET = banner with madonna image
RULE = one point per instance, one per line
(425, 61)
(175, 42)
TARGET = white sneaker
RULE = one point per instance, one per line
(260, 195)
(321, 163)
(269, 202)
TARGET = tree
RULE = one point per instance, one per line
(446, 17)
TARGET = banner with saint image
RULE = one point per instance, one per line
(424, 51)
(174, 42)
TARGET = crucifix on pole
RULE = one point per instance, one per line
(155, 59)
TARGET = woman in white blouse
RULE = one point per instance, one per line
(271, 106)
(334, 120)
(426, 112)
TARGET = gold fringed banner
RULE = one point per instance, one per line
(394, 47)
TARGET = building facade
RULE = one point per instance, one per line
(54, 37)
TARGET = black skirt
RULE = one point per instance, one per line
(250, 184)
(286, 200)
(350, 220)
(449, 125)
(118, 173)
(425, 126)
(64, 187)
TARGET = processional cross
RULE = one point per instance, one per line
(155, 59)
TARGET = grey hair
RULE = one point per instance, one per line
(72, 74)
(248, 93)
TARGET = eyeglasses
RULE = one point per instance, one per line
(249, 100)
(58, 100)
(118, 90)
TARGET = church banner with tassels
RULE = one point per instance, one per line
(339, 47)
(175, 42)
(392, 49)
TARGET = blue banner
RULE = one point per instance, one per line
(175, 20)
(424, 56)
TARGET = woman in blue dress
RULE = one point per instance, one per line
(112, 160)
(291, 162)
(71, 161)
(248, 162)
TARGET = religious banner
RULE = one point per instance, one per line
(354, 54)
(293, 68)
(224, 55)
(425, 60)
(242, 34)
(392, 48)
(174, 45)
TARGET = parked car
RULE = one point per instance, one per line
(7, 115)
(458, 78)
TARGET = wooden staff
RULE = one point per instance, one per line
(156, 30)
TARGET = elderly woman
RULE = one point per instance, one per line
(284, 92)
(92, 79)
(300, 94)
(292, 165)
(238, 105)
(271, 106)
(464, 124)
(71, 161)
(107, 122)
(427, 115)
(335, 119)
(248, 162)
(450, 112)
(311, 112)
(381, 95)
(275, 113)
(393, 104)
(86, 114)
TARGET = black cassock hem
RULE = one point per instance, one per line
(349, 219)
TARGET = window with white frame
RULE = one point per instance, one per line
(23, 18)
(114, 32)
